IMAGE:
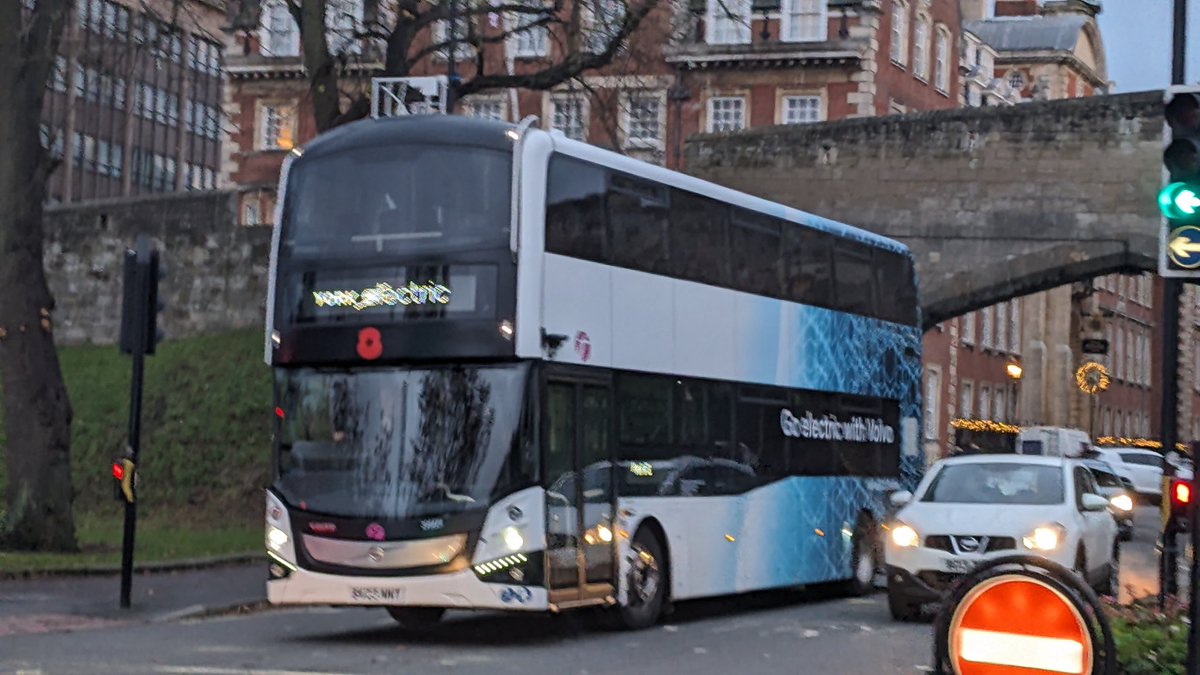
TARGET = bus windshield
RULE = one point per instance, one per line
(400, 443)
(397, 199)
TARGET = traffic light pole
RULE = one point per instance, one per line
(135, 433)
(138, 337)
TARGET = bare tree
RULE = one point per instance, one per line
(37, 414)
(585, 35)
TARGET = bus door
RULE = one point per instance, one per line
(580, 500)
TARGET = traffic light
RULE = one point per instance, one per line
(1179, 200)
(123, 473)
(1181, 494)
(141, 305)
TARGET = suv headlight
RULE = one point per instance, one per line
(1045, 538)
(904, 536)
(1122, 502)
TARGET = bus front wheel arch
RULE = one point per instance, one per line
(647, 579)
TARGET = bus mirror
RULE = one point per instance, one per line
(901, 498)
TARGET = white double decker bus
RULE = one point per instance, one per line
(514, 371)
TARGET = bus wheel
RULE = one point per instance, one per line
(864, 558)
(416, 618)
(647, 582)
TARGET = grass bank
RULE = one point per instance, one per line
(205, 452)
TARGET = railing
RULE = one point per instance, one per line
(392, 96)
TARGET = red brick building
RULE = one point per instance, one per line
(703, 66)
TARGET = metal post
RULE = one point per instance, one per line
(139, 338)
(451, 65)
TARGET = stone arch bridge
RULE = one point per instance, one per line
(994, 202)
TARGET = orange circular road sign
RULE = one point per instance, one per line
(1018, 624)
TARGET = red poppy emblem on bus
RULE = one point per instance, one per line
(370, 343)
(583, 346)
(375, 532)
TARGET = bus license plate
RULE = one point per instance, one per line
(377, 594)
(959, 566)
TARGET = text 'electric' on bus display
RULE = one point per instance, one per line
(516, 371)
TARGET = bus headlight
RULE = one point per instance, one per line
(1045, 538)
(1122, 502)
(904, 536)
(512, 538)
(276, 539)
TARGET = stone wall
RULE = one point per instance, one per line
(994, 202)
(216, 271)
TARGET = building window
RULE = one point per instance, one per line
(276, 126)
(726, 113)
(1119, 354)
(279, 35)
(985, 401)
(1001, 412)
(1002, 327)
(933, 389)
(1016, 81)
(941, 63)
(491, 109)
(605, 18)
(529, 35)
(342, 19)
(801, 109)
(1130, 352)
(462, 27)
(986, 320)
(804, 20)
(644, 127)
(966, 399)
(728, 22)
(921, 47)
(250, 213)
(567, 116)
(968, 328)
(900, 32)
(1014, 326)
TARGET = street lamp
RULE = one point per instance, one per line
(1014, 370)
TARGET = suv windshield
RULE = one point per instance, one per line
(398, 443)
(998, 483)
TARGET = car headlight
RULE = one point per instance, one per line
(276, 539)
(904, 536)
(1122, 502)
(1046, 538)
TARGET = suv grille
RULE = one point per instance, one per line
(942, 542)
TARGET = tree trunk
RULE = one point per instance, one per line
(321, 67)
(37, 415)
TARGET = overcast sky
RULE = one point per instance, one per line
(1137, 40)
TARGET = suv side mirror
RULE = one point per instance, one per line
(1093, 502)
(901, 498)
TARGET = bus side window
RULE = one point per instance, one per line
(808, 261)
(638, 224)
(575, 217)
(699, 238)
(855, 280)
(756, 244)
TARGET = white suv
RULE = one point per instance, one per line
(972, 508)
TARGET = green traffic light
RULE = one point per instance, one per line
(1179, 201)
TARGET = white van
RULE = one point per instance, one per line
(1053, 442)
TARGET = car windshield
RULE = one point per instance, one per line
(996, 483)
(399, 443)
(1105, 479)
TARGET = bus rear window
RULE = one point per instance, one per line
(397, 199)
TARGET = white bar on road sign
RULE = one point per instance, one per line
(1022, 651)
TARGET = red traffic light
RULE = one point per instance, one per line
(118, 471)
(1181, 493)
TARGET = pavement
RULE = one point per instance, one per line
(63, 603)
